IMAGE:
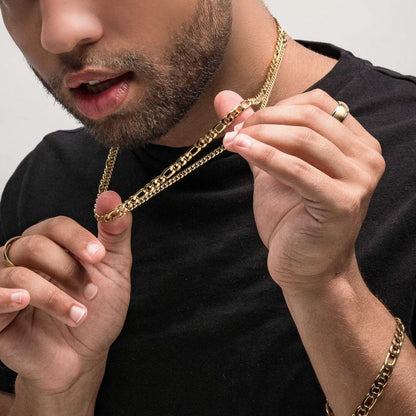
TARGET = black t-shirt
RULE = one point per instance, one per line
(208, 331)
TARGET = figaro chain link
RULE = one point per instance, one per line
(175, 171)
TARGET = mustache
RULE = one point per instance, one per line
(77, 60)
(121, 61)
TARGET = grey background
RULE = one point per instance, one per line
(381, 31)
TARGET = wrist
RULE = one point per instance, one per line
(344, 302)
(346, 332)
(345, 282)
(77, 399)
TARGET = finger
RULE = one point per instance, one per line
(309, 182)
(39, 253)
(225, 101)
(365, 152)
(326, 103)
(303, 143)
(45, 296)
(12, 300)
(115, 235)
(306, 110)
(359, 148)
(312, 118)
(71, 236)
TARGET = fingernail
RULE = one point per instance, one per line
(244, 141)
(238, 126)
(76, 313)
(17, 297)
(229, 137)
(93, 249)
(90, 291)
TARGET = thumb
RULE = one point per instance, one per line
(114, 235)
(225, 101)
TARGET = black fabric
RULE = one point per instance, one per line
(208, 332)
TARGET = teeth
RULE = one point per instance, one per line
(93, 82)
(96, 87)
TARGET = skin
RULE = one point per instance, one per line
(311, 194)
(159, 93)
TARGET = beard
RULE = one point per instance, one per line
(172, 87)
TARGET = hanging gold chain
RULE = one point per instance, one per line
(175, 171)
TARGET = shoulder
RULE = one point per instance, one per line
(56, 178)
(360, 80)
(72, 145)
(382, 100)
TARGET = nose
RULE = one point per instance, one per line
(67, 24)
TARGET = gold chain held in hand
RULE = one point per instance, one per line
(175, 172)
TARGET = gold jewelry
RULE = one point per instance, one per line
(5, 253)
(341, 112)
(174, 172)
(383, 376)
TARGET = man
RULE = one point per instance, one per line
(186, 306)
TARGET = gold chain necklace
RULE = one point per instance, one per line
(175, 171)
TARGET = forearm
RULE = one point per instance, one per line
(77, 400)
(347, 333)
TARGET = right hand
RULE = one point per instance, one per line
(58, 331)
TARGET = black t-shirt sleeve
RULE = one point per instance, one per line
(7, 377)
(11, 200)
(8, 225)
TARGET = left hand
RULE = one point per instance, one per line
(313, 180)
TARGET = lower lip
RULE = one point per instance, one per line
(96, 106)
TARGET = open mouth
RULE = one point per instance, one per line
(97, 87)
(97, 97)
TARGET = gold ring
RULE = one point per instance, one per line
(5, 253)
(341, 112)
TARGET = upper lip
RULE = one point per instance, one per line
(75, 79)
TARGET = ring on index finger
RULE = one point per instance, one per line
(341, 111)
(5, 254)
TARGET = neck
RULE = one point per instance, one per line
(244, 70)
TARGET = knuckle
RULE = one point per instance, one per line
(256, 131)
(375, 165)
(31, 244)
(58, 221)
(298, 168)
(14, 277)
(267, 157)
(310, 112)
(318, 96)
(378, 163)
(52, 297)
(72, 271)
(375, 144)
(306, 136)
(368, 184)
(351, 205)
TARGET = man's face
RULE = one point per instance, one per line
(128, 69)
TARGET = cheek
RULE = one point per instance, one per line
(25, 31)
(21, 23)
(149, 24)
(29, 44)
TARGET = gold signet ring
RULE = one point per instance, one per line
(341, 112)
(5, 254)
